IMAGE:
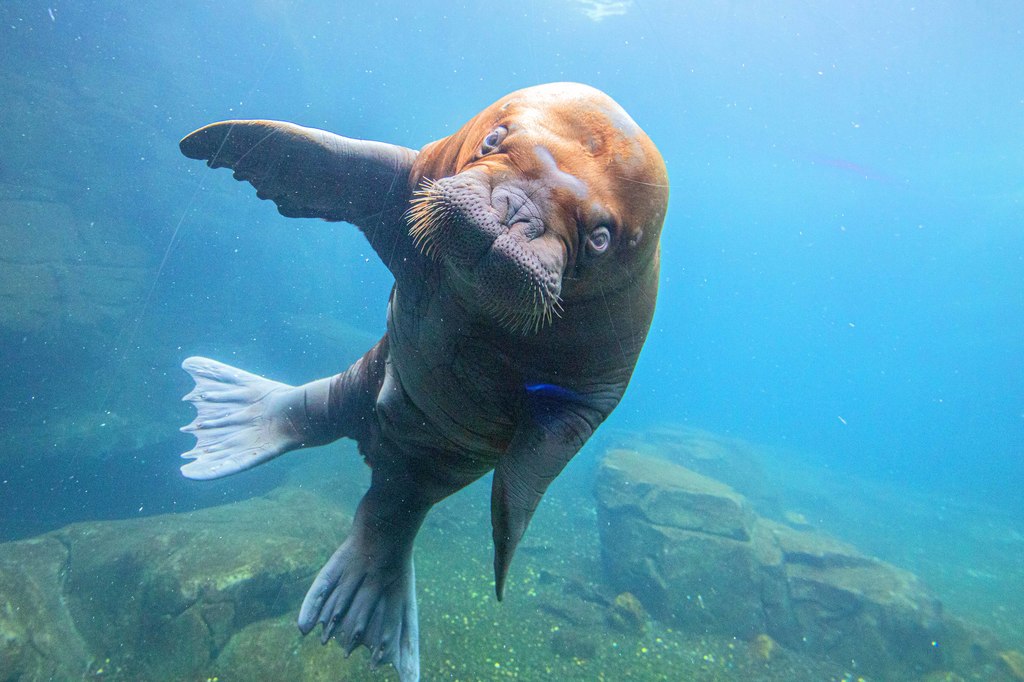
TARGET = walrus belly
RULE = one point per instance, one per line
(446, 390)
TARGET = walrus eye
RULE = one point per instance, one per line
(599, 240)
(492, 141)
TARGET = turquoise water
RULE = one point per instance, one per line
(842, 260)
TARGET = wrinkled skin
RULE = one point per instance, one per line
(525, 254)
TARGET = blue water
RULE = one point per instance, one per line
(842, 262)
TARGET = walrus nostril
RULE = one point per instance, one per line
(529, 228)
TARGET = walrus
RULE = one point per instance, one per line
(525, 254)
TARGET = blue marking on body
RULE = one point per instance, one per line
(551, 391)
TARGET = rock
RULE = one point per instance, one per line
(732, 461)
(942, 676)
(853, 607)
(1014, 663)
(573, 642)
(796, 519)
(663, 527)
(763, 647)
(59, 277)
(696, 556)
(665, 494)
(573, 601)
(38, 639)
(628, 615)
(573, 612)
(162, 596)
(275, 650)
(194, 579)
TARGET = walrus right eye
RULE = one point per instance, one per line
(491, 142)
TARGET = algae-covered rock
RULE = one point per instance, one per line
(161, 596)
(733, 461)
(1013, 662)
(170, 591)
(38, 639)
(942, 676)
(574, 643)
(275, 650)
(695, 555)
(665, 494)
(681, 543)
(628, 615)
(854, 607)
(763, 647)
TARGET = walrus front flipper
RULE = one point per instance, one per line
(312, 173)
(244, 420)
(533, 460)
(366, 592)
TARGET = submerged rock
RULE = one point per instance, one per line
(855, 608)
(276, 650)
(628, 615)
(60, 277)
(696, 556)
(733, 461)
(1014, 662)
(38, 639)
(574, 642)
(162, 596)
(763, 647)
(672, 496)
(681, 543)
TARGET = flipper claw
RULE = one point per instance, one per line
(361, 603)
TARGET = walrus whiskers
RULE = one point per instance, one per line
(531, 317)
(428, 213)
(430, 217)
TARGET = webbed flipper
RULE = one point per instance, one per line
(365, 595)
(311, 173)
(560, 423)
(244, 420)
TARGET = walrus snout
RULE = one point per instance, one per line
(518, 207)
(491, 238)
(452, 219)
(461, 216)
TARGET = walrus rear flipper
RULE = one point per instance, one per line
(366, 592)
(244, 419)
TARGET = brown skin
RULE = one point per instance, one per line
(526, 273)
(582, 164)
(622, 171)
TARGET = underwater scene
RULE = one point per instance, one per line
(792, 228)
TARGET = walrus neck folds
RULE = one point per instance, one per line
(452, 220)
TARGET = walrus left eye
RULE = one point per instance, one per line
(599, 240)
(492, 141)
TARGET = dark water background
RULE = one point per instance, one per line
(842, 260)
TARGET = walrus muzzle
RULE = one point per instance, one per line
(488, 238)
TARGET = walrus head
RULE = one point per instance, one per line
(542, 193)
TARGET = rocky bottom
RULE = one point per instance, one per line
(213, 595)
